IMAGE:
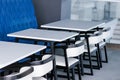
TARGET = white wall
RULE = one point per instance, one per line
(65, 9)
(80, 9)
(81, 12)
(118, 10)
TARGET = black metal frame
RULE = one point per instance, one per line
(89, 55)
(15, 76)
(87, 41)
(72, 67)
(105, 49)
(41, 62)
(98, 56)
(98, 53)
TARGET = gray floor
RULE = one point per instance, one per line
(110, 71)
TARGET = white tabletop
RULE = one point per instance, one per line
(75, 25)
(40, 34)
(11, 52)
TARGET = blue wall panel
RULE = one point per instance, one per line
(16, 15)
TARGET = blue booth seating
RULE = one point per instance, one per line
(16, 15)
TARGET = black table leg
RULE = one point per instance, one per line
(100, 57)
(54, 61)
(89, 55)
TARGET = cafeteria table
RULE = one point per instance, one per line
(11, 52)
(46, 36)
(76, 26)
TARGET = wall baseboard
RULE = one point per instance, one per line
(113, 46)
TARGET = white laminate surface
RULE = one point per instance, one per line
(75, 25)
(11, 52)
(40, 34)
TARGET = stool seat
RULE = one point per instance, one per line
(92, 48)
(60, 61)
